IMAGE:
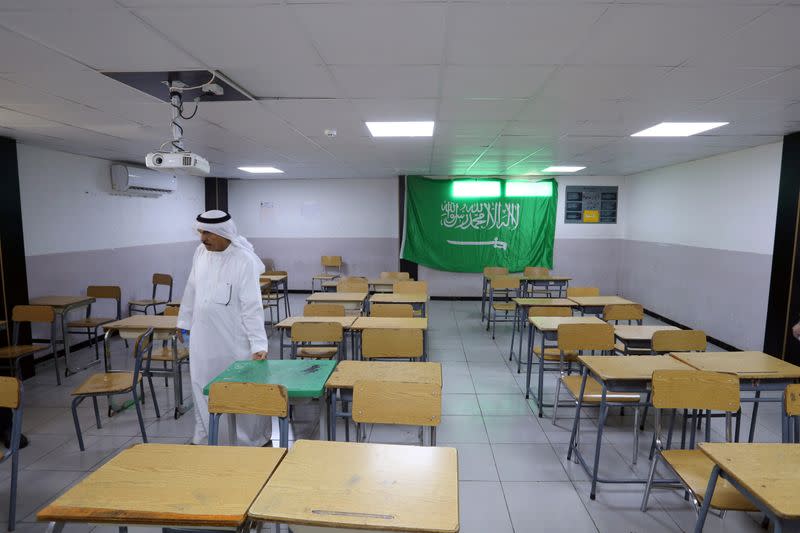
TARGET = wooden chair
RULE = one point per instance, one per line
(630, 313)
(679, 340)
(390, 343)
(551, 353)
(92, 324)
(276, 289)
(393, 402)
(270, 299)
(331, 269)
(115, 383)
(316, 340)
(489, 272)
(392, 310)
(577, 339)
(583, 291)
(269, 264)
(259, 399)
(165, 355)
(11, 398)
(501, 290)
(31, 314)
(317, 309)
(542, 288)
(703, 391)
(396, 275)
(352, 284)
(141, 306)
(790, 416)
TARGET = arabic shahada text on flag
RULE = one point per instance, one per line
(467, 234)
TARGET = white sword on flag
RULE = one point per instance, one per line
(496, 243)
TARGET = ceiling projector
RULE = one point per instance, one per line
(187, 162)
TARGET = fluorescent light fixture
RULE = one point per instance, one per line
(401, 129)
(562, 169)
(475, 189)
(261, 170)
(678, 129)
(529, 188)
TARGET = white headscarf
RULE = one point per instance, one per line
(220, 223)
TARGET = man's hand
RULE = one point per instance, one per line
(259, 356)
(180, 335)
(796, 331)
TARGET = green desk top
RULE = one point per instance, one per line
(302, 378)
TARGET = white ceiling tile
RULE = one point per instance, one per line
(469, 128)
(493, 81)
(516, 34)
(398, 81)
(313, 117)
(285, 81)
(784, 87)
(379, 109)
(658, 35)
(695, 83)
(398, 34)
(29, 5)
(105, 39)
(480, 109)
(581, 83)
(193, 3)
(30, 55)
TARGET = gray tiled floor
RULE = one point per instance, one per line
(513, 471)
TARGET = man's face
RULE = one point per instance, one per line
(213, 242)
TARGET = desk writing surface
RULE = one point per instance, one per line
(367, 322)
(770, 471)
(157, 322)
(640, 368)
(363, 486)
(348, 372)
(544, 302)
(551, 323)
(169, 484)
(302, 378)
(270, 277)
(553, 278)
(384, 281)
(401, 298)
(345, 321)
(62, 301)
(599, 301)
(744, 364)
(638, 333)
(337, 297)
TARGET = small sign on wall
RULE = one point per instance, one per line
(590, 205)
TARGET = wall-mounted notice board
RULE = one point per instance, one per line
(590, 205)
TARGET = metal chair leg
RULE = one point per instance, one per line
(139, 415)
(75, 402)
(649, 484)
(153, 394)
(96, 412)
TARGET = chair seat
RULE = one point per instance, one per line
(147, 302)
(618, 346)
(106, 383)
(504, 306)
(326, 276)
(316, 353)
(552, 354)
(91, 322)
(165, 354)
(15, 352)
(694, 468)
(271, 296)
(594, 391)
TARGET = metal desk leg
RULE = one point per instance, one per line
(55, 527)
(280, 344)
(324, 416)
(286, 297)
(573, 439)
(483, 298)
(753, 417)
(332, 394)
(703, 513)
(523, 322)
(540, 390)
(424, 344)
(513, 331)
(601, 425)
(177, 380)
(530, 361)
(233, 441)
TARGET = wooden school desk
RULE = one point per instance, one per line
(343, 379)
(164, 330)
(594, 305)
(382, 284)
(766, 474)
(417, 300)
(280, 281)
(302, 378)
(353, 301)
(168, 485)
(637, 337)
(373, 487)
(377, 322)
(618, 374)
(521, 313)
(285, 327)
(548, 327)
(757, 372)
(550, 283)
(62, 305)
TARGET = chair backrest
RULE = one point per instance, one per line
(269, 264)
(10, 390)
(248, 399)
(317, 309)
(679, 340)
(353, 284)
(33, 313)
(495, 271)
(162, 279)
(791, 399)
(504, 283)
(172, 310)
(391, 343)
(394, 402)
(582, 291)
(619, 312)
(535, 272)
(331, 261)
(110, 292)
(411, 287)
(392, 310)
(395, 275)
(322, 332)
(142, 346)
(576, 337)
(695, 389)
(537, 310)
(276, 273)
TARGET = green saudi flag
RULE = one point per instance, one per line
(466, 225)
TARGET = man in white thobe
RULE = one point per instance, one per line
(221, 307)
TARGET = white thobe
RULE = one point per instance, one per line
(221, 306)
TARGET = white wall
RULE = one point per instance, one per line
(67, 206)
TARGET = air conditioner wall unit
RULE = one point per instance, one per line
(138, 181)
